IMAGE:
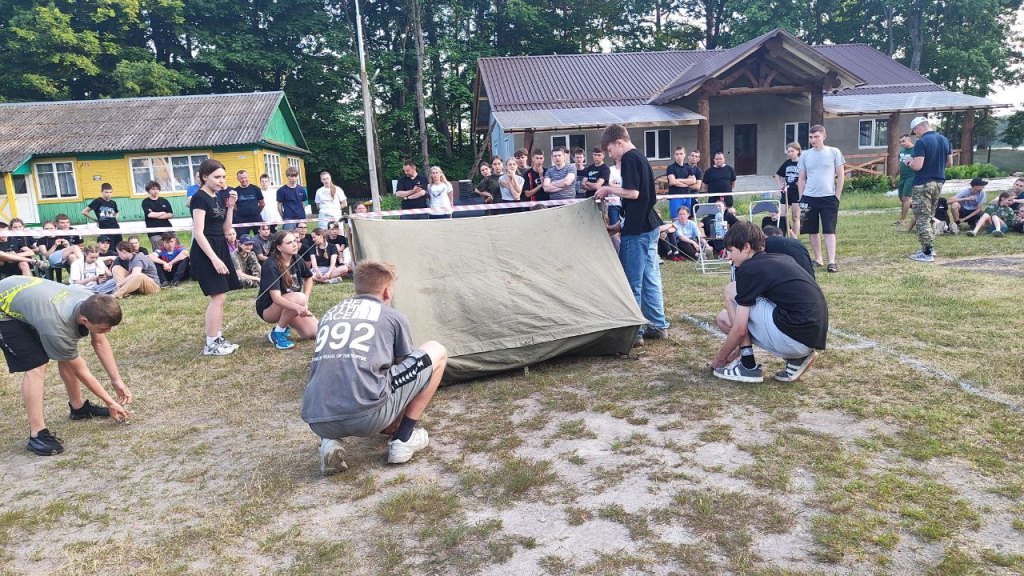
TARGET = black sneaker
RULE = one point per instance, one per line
(165, 284)
(88, 410)
(639, 341)
(45, 444)
(652, 333)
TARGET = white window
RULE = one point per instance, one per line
(172, 173)
(874, 133)
(797, 132)
(56, 180)
(656, 144)
(272, 167)
(293, 162)
(570, 141)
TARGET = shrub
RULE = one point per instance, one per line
(968, 171)
(867, 184)
(390, 202)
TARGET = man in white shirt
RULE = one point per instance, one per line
(821, 186)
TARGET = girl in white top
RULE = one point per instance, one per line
(331, 199)
(439, 192)
(511, 183)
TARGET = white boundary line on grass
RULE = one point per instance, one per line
(862, 342)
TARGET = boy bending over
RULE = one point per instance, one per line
(773, 303)
(366, 378)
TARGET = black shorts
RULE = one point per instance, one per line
(792, 196)
(964, 212)
(10, 269)
(22, 347)
(813, 209)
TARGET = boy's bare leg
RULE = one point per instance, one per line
(32, 396)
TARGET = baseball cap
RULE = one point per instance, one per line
(103, 238)
(246, 239)
(979, 182)
(917, 121)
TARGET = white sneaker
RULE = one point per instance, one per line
(219, 348)
(399, 452)
(332, 457)
(920, 256)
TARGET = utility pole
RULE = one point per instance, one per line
(371, 151)
(420, 106)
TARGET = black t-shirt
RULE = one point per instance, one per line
(406, 183)
(581, 175)
(19, 242)
(158, 205)
(695, 171)
(105, 211)
(49, 241)
(213, 224)
(339, 241)
(595, 173)
(791, 173)
(780, 224)
(800, 309)
(247, 208)
(792, 247)
(8, 246)
(306, 247)
(719, 179)
(637, 175)
(272, 279)
(681, 172)
(534, 179)
(323, 255)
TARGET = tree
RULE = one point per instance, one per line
(1013, 134)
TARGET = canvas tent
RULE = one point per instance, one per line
(503, 292)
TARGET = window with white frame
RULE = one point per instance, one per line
(874, 133)
(293, 162)
(56, 180)
(570, 141)
(656, 144)
(272, 167)
(172, 173)
(797, 132)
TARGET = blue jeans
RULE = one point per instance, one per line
(639, 257)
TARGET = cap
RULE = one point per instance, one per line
(917, 121)
(103, 238)
(979, 182)
(246, 239)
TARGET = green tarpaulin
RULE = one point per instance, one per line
(506, 291)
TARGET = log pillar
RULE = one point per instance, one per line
(704, 129)
(817, 104)
(528, 144)
(892, 168)
(967, 138)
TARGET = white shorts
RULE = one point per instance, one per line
(767, 335)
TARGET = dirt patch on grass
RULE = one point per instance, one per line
(1002, 265)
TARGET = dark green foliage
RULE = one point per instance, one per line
(1013, 134)
(968, 171)
(867, 185)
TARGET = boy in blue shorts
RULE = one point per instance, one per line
(366, 378)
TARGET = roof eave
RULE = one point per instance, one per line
(928, 109)
(282, 146)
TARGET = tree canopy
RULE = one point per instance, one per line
(82, 49)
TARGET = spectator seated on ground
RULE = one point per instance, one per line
(261, 243)
(134, 273)
(247, 265)
(137, 248)
(105, 251)
(941, 221)
(688, 238)
(171, 260)
(15, 259)
(776, 242)
(334, 236)
(708, 223)
(667, 242)
(777, 220)
(89, 271)
(969, 204)
(59, 250)
(997, 219)
(325, 260)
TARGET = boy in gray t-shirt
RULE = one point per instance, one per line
(366, 378)
(42, 320)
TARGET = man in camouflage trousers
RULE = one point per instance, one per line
(932, 154)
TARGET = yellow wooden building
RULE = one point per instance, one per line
(55, 155)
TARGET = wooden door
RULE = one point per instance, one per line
(745, 149)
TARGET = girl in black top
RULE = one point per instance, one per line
(787, 176)
(325, 259)
(282, 301)
(212, 267)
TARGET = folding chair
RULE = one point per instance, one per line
(714, 265)
(768, 207)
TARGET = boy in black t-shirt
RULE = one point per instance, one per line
(773, 303)
(366, 378)
(533, 187)
(106, 211)
(158, 213)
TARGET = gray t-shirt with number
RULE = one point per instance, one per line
(51, 308)
(821, 168)
(357, 341)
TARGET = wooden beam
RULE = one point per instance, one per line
(704, 128)
(892, 162)
(817, 105)
(768, 90)
(967, 138)
(528, 144)
(712, 86)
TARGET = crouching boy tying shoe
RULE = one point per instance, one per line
(773, 303)
(366, 378)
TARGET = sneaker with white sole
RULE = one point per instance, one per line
(737, 373)
(920, 256)
(281, 340)
(332, 457)
(795, 367)
(399, 452)
(219, 348)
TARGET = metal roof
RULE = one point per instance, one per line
(638, 116)
(130, 124)
(937, 101)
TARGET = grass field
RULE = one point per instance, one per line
(877, 462)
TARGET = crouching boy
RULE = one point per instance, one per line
(366, 378)
(773, 303)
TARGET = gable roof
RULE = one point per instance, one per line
(138, 124)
